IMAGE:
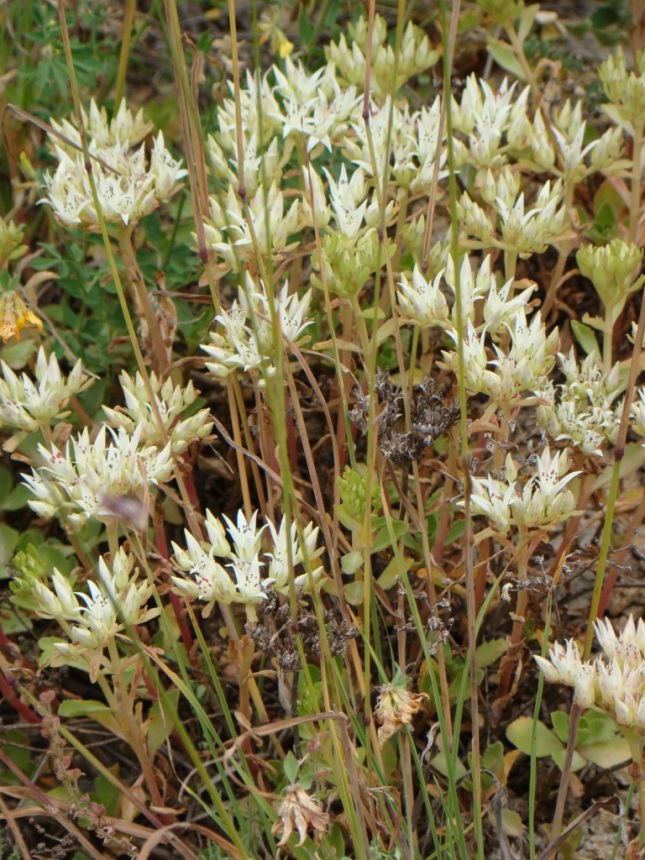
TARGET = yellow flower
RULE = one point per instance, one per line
(271, 32)
(14, 316)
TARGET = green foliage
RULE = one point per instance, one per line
(46, 83)
(598, 740)
(235, 593)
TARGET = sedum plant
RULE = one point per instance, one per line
(171, 403)
(92, 620)
(128, 184)
(211, 581)
(246, 340)
(27, 406)
(401, 422)
(81, 483)
(612, 683)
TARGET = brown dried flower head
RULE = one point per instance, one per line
(396, 706)
(299, 811)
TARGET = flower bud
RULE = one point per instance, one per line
(612, 269)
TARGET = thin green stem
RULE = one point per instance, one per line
(518, 50)
(112, 529)
(449, 36)
(523, 554)
(635, 741)
(607, 341)
(563, 255)
(574, 720)
(635, 190)
(195, 156)
(128, 18)
(605, 543)
(536, 717)
(510, 264)
(619, 452)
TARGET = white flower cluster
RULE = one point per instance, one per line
(83, 482)
(495, 140)
(315, 106)
(129, 185)
(238, 233)
(503, 372)
(351, 250)
(541, 503)
(410, 139)
(274, 119)
(246, 339)
(614, 682)
(497, 130)
(28, 406)
(261, 127)
(211, 581)
(586, 410)
(416, 56)
(311, 111)
(570, 160)
(484, 117)
(515, 228)
(171, 401)
(125, 128)
(625, 90)
(91, 621)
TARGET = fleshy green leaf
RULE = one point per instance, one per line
(290, 766)
(489, 652)
(351, 562)
(585, 337)
(607, 754)
(82, 708)
(503, 55)
(493, 759)
(520, 734)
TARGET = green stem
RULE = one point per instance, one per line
(400, 224)
(635, 192)
(619, 453)
(556, 827)
(518, 50)
(605, 543)
(635, 741)
(510, 661)
(414, 346)
(128, 18)
(563, 255)
(194, 137)
(536, 717)
(112, 529)
(363, 334)
(510, 264)
(449, 39)
(607, 341)
(318, 27)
